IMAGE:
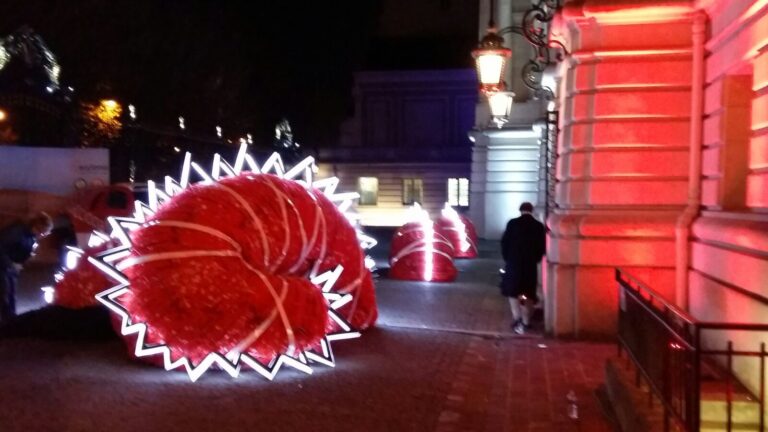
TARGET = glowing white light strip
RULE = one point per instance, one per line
(458, 226)
(254, 218)
(429, 234)
(366, 241)
(328, 279)
(130, 262)
(274, 163)
(342, 301)
(72, 257)
(417, 215)
(370, 263)
(117, 256)
(141, 212)
(344, 336)
(48, 292)
(201, 172)
(340, 321)
(344, 196)
(328, 185)
(196, 227)
(97, 239)
(114, 274)
(419, 246)
(304, 166)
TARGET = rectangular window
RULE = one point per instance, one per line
(413, 191)
(458, 192)
(368, 187)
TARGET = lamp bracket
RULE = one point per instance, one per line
(535, 30)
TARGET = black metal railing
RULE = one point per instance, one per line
(550, 163)
(667, 346)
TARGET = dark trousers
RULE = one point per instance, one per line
(8, 280)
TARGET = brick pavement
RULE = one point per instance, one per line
(521, 384)
(442, 360)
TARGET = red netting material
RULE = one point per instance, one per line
(78, 287)
(224, 266)
(460, 233)
(421, 254)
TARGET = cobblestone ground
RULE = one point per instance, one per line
(441, 359)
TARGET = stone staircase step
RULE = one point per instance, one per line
(634, 413)
(745, 410)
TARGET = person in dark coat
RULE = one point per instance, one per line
(17, 243)
(522, 246)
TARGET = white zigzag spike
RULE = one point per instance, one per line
(114, 274)
(366, 241)
(340, 321)
(141, 211)
(344, 206)
(219, 166)
(328, 278)
(171, 187)
(269, 372)
(157, 196)
(97, 238)
(274, 163)
(244, 158)
(344, 336)
(118, 232)
(344, 196)
(341, 301)
(201, 172)
(185, 168)
(327, 186)
(304, 167)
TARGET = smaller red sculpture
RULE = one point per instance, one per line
(459, 231)
(419, 252)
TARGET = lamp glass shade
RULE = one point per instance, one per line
(490, 68)
(500, 103)
(490, 59)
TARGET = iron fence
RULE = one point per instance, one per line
(666, 345)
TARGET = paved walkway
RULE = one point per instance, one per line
(442, 359)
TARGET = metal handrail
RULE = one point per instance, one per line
(639, 284)
(675, 337)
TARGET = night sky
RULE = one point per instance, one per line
(242, 64)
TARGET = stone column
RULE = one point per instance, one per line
(622, 167)
(505, 173)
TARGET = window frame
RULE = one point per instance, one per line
(360, 202)
(412, 181)
(455, 191)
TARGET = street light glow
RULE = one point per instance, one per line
(109, 104)
(3, 115)
(491, 59)
(501, 106)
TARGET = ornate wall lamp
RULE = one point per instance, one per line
(491, 59)
(491, 56)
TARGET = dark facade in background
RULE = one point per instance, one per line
(408, 137)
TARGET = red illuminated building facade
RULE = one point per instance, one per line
(662, 159)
